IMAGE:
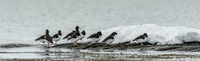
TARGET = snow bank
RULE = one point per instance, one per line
(161, 34)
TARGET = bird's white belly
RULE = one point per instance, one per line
(142, 40)
(72, 39)
(57, 39)
(81, 37)
(109, 41)
(99, 38)
(68, 37)
(78, 38)
(95, 39)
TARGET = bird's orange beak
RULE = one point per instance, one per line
(79, 28)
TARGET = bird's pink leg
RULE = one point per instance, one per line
(142, 44)
(110, 44)
(48, 45)
(75, 43)
(96, 42)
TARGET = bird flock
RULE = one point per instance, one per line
(76, 35)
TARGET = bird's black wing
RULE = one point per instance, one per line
(139, 37)
(69, 35)
(73, 36)
(41, 37)
(49, 38)
(55, 36)
(109, 37)
(93, 36)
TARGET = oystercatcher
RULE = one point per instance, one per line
(57, 37)
(82, 35)
(47, 37)
(110, 38)
(95, 37)
(75, 36)
(141, 39)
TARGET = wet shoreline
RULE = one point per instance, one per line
(100, 52)
(186, 46)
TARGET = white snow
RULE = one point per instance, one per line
(156, 33)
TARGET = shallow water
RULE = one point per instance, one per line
(34, 52)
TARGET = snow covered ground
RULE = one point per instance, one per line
(156, 34)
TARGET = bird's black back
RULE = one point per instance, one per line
(55, 36)
(139, 37)
(77, 33)
(70, 34)
(39, 38)
(48, 37)
(111, 36)
(95, 35)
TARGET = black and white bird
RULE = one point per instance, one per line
(57, 37)
(69, 35)
(45, 38)
(83, 34)
(48, 38)
(74, 38)
(110, 38)
(95, 37)
(141, 39)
